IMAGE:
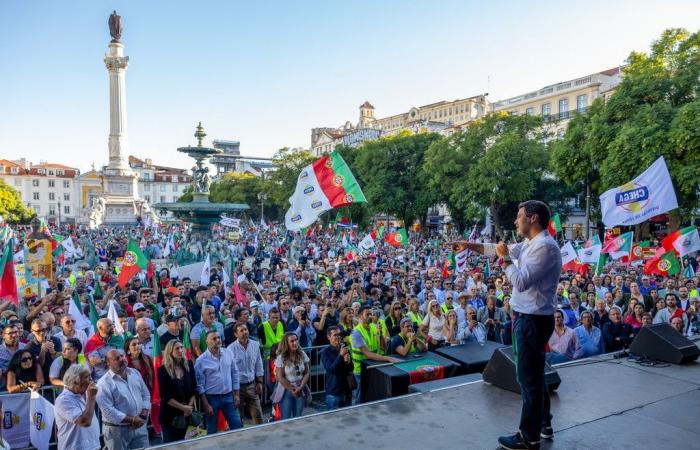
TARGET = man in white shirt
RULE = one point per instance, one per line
(68, 330)
(125, 403)
(74, 410)
(534, 282)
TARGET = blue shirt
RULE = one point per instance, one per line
(590, 343)
(216, 375)
(536, 277)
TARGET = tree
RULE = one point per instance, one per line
(392, 176)
(494, 162)
(280, 183)
(12, 209)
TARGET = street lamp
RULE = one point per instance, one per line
(262, 197)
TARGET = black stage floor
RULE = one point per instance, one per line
(602, 403)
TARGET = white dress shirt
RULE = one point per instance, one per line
(248, 360)
(118, 398)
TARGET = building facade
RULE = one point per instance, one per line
(48, 188)
(231, 160)
(159, 184)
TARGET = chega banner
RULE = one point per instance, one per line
(648, 195)
(41, 414)
(230, 222)
(39, 258)
(15, 420)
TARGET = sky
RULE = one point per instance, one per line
(265, 73)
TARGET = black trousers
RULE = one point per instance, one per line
(530, 335)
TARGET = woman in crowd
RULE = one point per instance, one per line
(292, 372)
(178, 389)
(629, 310)
(138, 360)
(414, 313)
(70, 354)
(451, 328)
(393, 320)
(347, 323)
(635, 318)
(617, 335)
(659, 304)
(24, 373)
(435, 321)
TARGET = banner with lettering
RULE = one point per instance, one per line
(41, 414)
(15, 420)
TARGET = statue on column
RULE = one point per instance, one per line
(115, 26)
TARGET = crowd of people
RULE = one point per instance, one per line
(274, 310)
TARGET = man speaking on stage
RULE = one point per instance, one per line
(534, 280)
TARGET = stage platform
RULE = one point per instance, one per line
(602, 403)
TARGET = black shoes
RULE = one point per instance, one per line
(547, 432)
(517, 442)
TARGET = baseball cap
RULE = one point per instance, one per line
(254, 304)
(299, 309)
(138, 306)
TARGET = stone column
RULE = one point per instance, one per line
(116, 64)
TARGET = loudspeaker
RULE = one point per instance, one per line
(663, 343)
(500, 371)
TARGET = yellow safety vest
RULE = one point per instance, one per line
(415, 318)
(271, 338)
(371, 338)
(413, 346)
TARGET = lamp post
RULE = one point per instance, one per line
(262, 197)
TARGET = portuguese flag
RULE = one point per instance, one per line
(554, 226)
(8, 282)
(325, 184)
(134, 262)
(619, 246)
(637, 253)
(421, 370)
(187, 344)
(398, 238)
(155, 398)
(683, 241)
(665, 264)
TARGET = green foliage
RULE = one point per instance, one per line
(12, 209)
(653, 112)
(494, 162)
(392, 175)
(281, 182)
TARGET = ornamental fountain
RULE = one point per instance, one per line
(200, 212)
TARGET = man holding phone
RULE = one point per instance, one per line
(534, 282)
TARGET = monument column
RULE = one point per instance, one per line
(116, 64)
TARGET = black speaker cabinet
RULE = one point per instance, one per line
(663, 343)
(500, 371)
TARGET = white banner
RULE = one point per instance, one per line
(366, 243)
(204, 276)
(15, 420)
(648, 195)
(461, 261)
(568, 253)
(230, 222)
(590, 255)
(41, 413)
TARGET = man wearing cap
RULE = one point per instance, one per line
(406, 342)
(172, 331)
(139, 313)
(302, 327)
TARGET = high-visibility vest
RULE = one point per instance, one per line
(413, 346)
(371, 338)
(446, 308)
(271, 338)
(415, 318)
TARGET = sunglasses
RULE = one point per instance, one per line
(70, 321)
(41, 330)
(27, 358)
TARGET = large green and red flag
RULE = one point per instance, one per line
(637, 253)
(187, 343)
(664, 264)
(155, 398)
(134, 262)
(422, 369)
(398, 238)
(8, 282)
(683, 241)
(619, 246)
(554, 226)
(325, 184)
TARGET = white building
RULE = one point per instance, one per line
(50, 189)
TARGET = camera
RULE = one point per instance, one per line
(304, 316)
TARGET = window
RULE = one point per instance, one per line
(66, 209)
(37, 209)
(162, 188)
(40, 171)
(59, 172)
(66, 196)
(175, 185)
(162, 198)
(18, 182)
(581, 102)
(52, 183)
(35, 183)
(52, 210)
(530, 111)
(15, 170)
(35, 196)
(50, 172)
(546, 109)
(66, 184)
(148, 198)
(563, 108)
(146, 176)
(52, 196)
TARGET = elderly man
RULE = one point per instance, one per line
(124, 401)
(97, 346)
(302, 327)
(406, 341)
(218, 383)
(246, 353)
(74, 410)
(144, 334)
(200, 331)
(68, 331)
(589, 337)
